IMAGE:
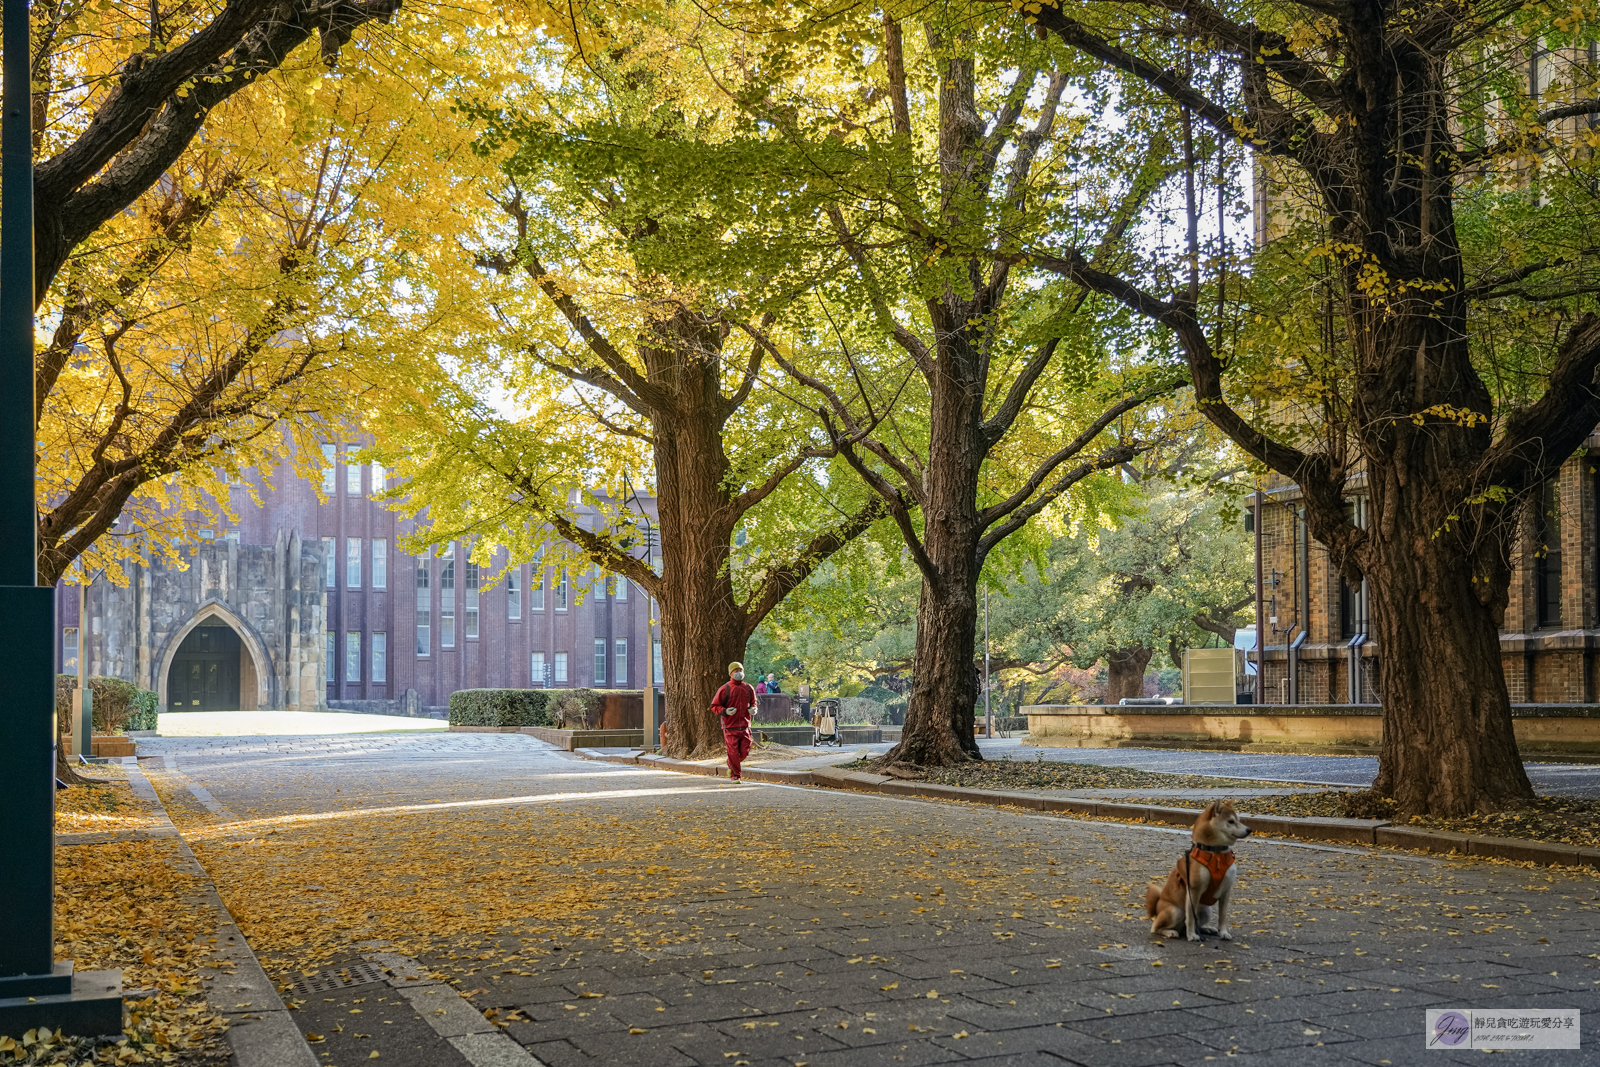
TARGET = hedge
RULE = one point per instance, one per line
(500, 707)
(145, 707)
(114, 701)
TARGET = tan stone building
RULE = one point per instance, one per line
(1316, 625)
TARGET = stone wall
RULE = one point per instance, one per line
(271, 595)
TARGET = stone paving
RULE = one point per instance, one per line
(821, 927)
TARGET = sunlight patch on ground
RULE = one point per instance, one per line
(265, 723)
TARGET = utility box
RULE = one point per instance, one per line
(1209, 676)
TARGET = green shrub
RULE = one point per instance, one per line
(574, 709)
(145, 707)
(500, 707)
(113, 702)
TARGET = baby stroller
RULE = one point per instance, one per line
(825, 723)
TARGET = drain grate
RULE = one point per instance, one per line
(341, 978)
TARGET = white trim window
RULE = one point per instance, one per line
(561, 668)
(599, 661)
(513, 595)
(447, 597)
(330, 469)
(330, 557)
(380, 658)
(380, 563)
(352, 563)
(619, 663)
(352, 656)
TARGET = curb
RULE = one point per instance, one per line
(263, 1036)
(1373, 832)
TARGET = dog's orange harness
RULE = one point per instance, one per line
(1215, 862)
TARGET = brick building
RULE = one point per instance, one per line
(1316, 624)
(309, 603)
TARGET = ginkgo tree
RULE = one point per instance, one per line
(1421, 326)
(220, 206)
(617, 293)
(981, 391)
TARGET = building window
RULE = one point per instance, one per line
(380, 658)
(561, 668)
(352, 476)
(513, 595)
(536, 589)
(599, 661)
(352, 656)
(561, 591)
(619, 664)
(424, 608)
(352, 562)
(655, 677)
(471, 598)
(378, 476)
(69, 650)
(333, 655)
(330, 469)
(447, 597)
(330, 561)
(622, 588)
(1547, 552)
(380, 563)
(598, 584)
(538, 672)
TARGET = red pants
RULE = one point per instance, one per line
(738, 744)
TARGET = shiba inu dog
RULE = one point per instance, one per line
(1203, 877)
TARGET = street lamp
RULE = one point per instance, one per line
(35, 989)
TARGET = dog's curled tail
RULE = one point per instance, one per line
(1152, 896)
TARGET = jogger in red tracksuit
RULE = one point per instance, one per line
(732, 705)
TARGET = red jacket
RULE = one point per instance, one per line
(739, 698)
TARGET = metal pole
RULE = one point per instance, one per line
(989, 714)
(35, 990)
(1261, 622)
(27, 726)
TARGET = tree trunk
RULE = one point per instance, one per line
(702, 622)
(1448, 747)
(939, 716)
(1125, 669)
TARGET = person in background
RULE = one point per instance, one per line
(772, 684)
(732, 705)
(761, 687)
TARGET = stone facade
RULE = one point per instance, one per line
(1548, 642)
(329, 612)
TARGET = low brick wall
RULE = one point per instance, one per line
(1541, 729)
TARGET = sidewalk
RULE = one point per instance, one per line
(708, 922)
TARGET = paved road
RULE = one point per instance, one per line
(622, 915)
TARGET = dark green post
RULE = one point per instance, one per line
(35, 990)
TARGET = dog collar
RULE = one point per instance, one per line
(1213, 848)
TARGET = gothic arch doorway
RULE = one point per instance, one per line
(204, 675)
(215, 662)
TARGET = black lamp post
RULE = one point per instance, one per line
(35, 989)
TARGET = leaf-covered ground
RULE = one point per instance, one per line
(1051, 774)
(1566, 820)
(126, 905)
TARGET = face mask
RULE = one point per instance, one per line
(738, 676)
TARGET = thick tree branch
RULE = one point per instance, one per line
(1540, 436)
(159, 105)
(783, 579)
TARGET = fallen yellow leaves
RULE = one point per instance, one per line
(127, 906)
